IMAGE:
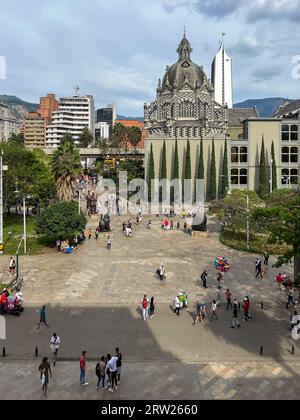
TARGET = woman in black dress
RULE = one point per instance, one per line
(152, 308)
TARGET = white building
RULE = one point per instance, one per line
(221, 77)
(8, 123)
(74, 114)
(102, 130)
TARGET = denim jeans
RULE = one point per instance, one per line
(102, 378)
(82, 376)
(145, 313)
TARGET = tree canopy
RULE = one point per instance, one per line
(86, 139)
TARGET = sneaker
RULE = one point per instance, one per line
(239, 326)
(116, 387)
(97, 388)
(232, 328)
(85, 384)
(111, 390)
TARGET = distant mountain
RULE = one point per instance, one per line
(18, 106)
(122, 117)
(266, 107)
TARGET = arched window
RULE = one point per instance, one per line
(164, 112)
(186, 110)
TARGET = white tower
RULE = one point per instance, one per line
(221, 77)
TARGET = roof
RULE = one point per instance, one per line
(237, 115)
(288, 108)
(131, 123)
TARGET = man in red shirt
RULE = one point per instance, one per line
(83, 368)
(279, 279)
(246, 307)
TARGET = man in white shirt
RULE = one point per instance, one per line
(54, 345)
(113, 369)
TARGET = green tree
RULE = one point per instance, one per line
(61, 220)
(134, 136)
(188, 168)
(86, 138)
(263, 179)
(283, 224)
(225, 174)
(201, 162)
(16, 138)
(213, 175)
(151, 173)
(66, 166)
(274, 168)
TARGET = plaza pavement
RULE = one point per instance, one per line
(93, 300)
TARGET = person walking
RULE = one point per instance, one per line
(12, 266)
(228, 296)
(112, 366)
(109, 243)
(220, 279)
(145, 307)
(213, 310)
(90, 233)
(177, 305)
(258, 268)
(152, 308)
(45, 371)
(97, 234)
(100, 373)
(119, 364)
(246, 307)
(82, 365)
(266, 258)
(290, 297)
(54, 345)
(198, 312)
(204, 277)
(43, 317)
(235, 321)
(58, 246)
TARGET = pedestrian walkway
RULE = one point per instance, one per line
(157, 381)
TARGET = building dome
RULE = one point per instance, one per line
(184, 71)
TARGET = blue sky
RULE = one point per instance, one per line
(117, 49)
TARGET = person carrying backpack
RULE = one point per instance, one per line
(145, 307)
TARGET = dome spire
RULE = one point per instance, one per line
(184, 50)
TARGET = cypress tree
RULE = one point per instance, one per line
(151, 173)
(274, 168)
(201, 162)
(225, 183)
(263, 179)
(213, 174)
(188, 169)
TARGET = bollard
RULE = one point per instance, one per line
(3, 352)
(262, 306)
(261, 350)
(293, 350)
(36, 352)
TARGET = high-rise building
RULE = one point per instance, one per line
(34, 130)
(48, 105)
(101, 131)
(8, 123)
(74, 114)
(221, 77)
(108, 115)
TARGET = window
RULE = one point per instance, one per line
(289, 133)
(289, 154)
(289, 176)
(239, 176)
(239, 154)
(186, 110)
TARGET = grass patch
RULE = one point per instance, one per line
(258, 243)
(13, 231)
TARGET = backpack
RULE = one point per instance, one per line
(145, 303)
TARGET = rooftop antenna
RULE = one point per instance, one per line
(184, 31)
(77, 89)
(223, 34)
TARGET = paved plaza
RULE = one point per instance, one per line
(93, 303)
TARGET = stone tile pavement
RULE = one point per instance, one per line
(158, 380)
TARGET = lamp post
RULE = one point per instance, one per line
(271, 176)
(24, 221)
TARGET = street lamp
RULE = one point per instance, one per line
(24, 220)
(248, 225)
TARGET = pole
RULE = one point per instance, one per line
(248, 226)
(1, 203)
(24, 219)
(271, 176)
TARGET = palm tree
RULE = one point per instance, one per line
(65, 166)
(86, 138)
